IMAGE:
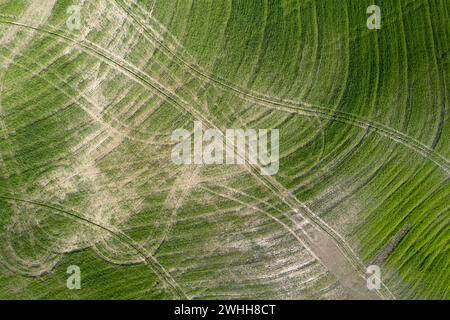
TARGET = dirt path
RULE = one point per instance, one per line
(330, 254)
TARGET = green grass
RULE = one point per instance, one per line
(83, 129)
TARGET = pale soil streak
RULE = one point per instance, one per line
(94, 110)
(263, 201)
(345, 266)
(302, 239)
(330, 255)
(89, 173)
(160, 36)
(184, 184)
(31, 267)
(98, 101)
(169, 76)
(37, 13)
(95, 100)
(323, 249)
(98, 96)
(269, 215)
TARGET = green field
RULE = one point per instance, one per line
(86, 177)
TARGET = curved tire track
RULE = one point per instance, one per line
(150, 260)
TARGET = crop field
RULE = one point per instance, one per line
(92, 91)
